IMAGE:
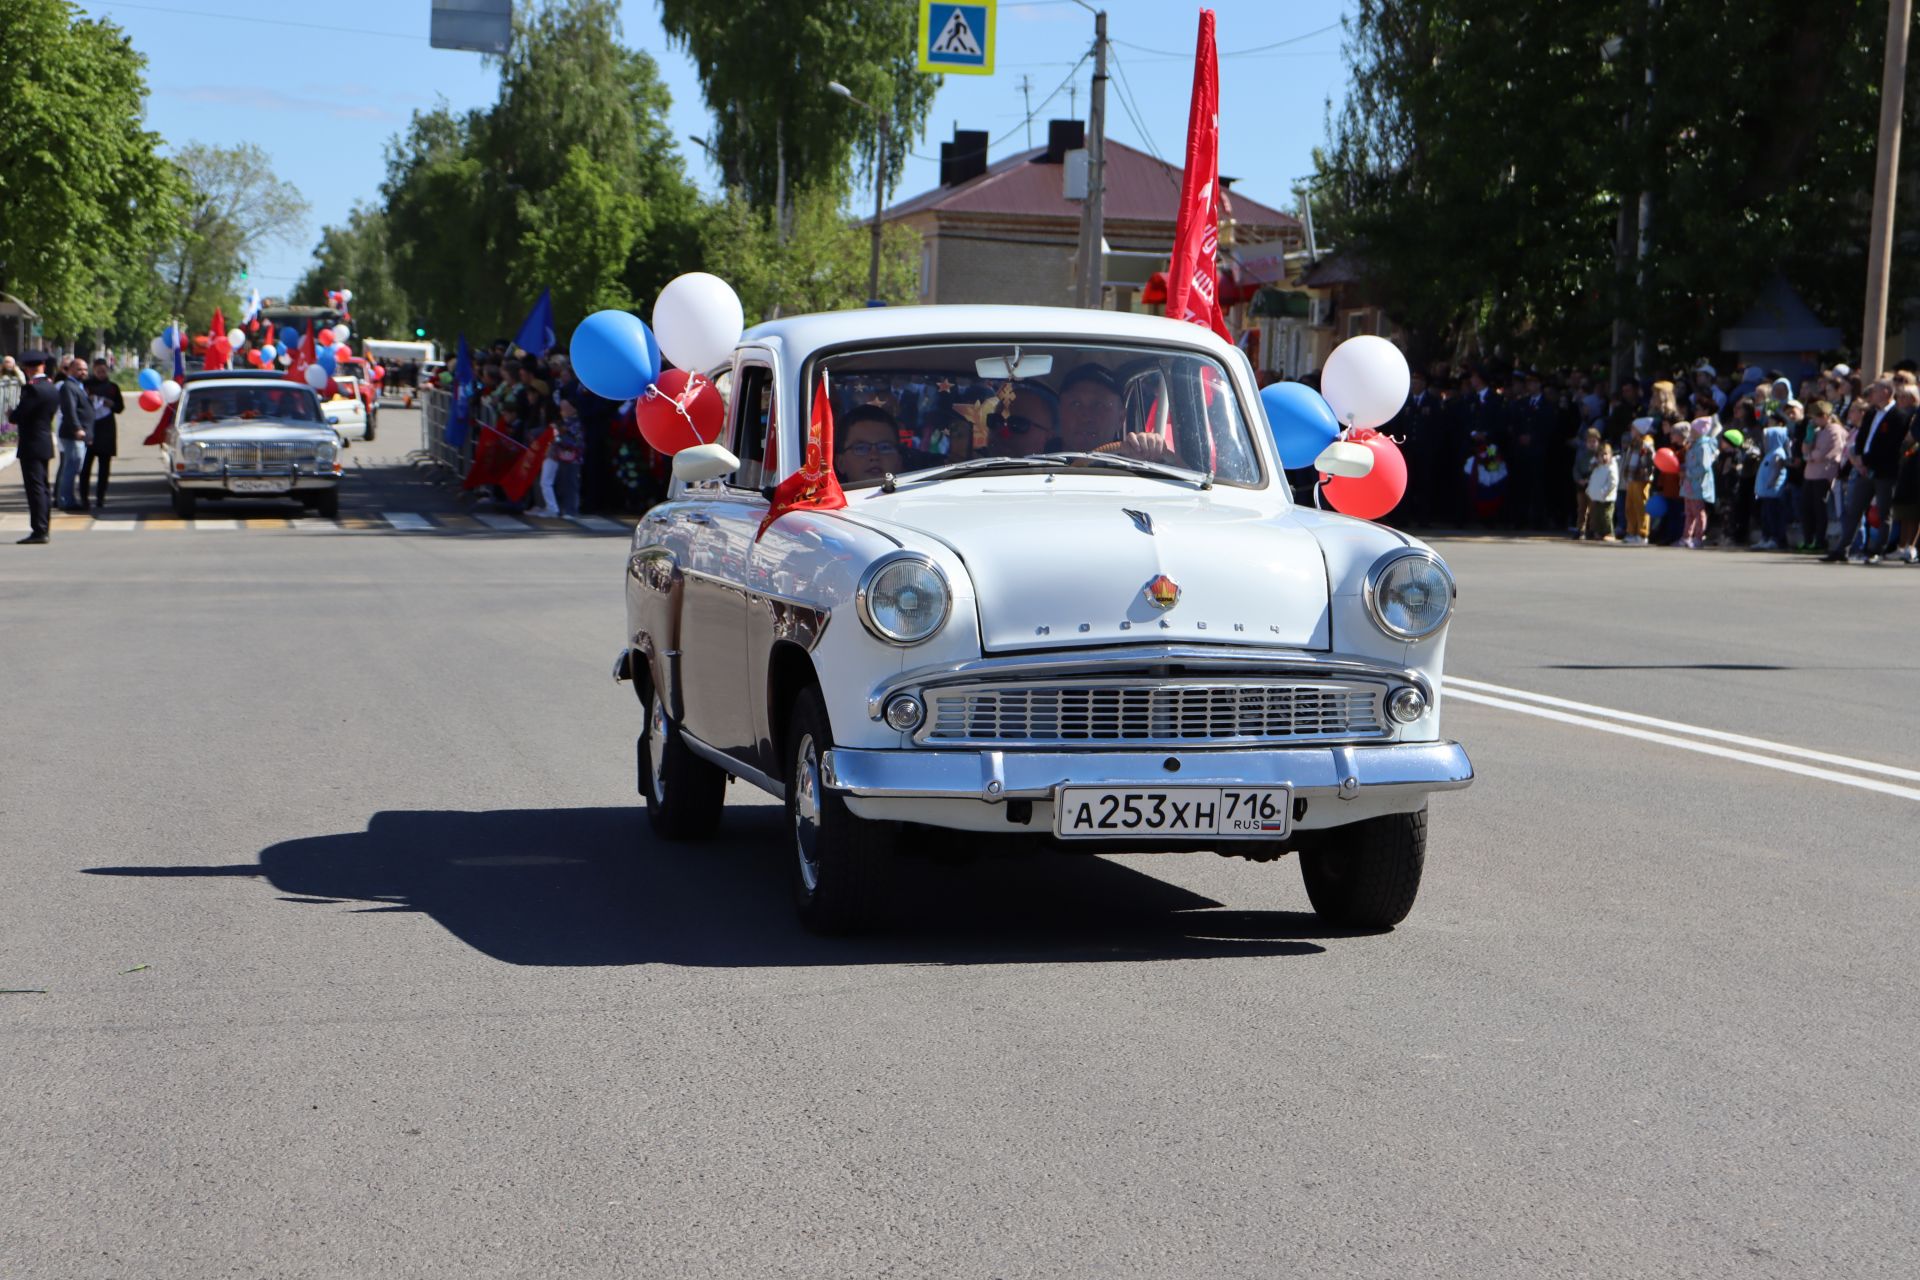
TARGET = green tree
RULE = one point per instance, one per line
(355, 255)
(569, 181)
(235, 207)
(764, 70)
(1486, 148)
(819, 265)
(83, 192)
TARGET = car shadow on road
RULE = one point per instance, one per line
(594, 887)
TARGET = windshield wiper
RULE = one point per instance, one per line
(1139, 466)
(969, 466)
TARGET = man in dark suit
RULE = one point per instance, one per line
(1875, 459)
(1420, 425)
(33, 416)
(103, 441)
(1530, 424)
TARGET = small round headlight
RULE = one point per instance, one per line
(1410, 594)
(905, 712)
(904, 598)
(1407, 704)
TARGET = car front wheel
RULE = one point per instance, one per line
(841, 862)
(184, 504)
(1367, 874)
(684, 793)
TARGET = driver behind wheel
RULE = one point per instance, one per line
(1093, 419)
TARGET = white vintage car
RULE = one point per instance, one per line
(251, 435)
(1069, 596)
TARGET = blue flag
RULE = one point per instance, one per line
(536, 336)
(462, 392)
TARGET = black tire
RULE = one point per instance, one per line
(328, 504)
(1366, 875)
(373, 422)
(684, 793)
(841, 864)
(185, 504)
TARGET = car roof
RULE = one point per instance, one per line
(238, 379)
(803, 334)
(236, 375)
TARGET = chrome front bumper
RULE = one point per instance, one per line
(301, 482)
(1344, 773)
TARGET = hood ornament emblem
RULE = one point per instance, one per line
(1162, 593)
(1141, 520)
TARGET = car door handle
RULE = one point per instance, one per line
(656, 517)
(696, 517)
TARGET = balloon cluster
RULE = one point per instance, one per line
(1362, 386)
(697, 319)
(156, 391)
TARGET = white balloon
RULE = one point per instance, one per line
(169, 391)
(346, 295)
(697, 320)
(341, 333)
(316, 377)
(236, 338)
(160, 349)
(1366, 381)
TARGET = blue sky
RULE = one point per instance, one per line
(323, 87)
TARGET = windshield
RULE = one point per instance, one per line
(904, 409)
(283, 403)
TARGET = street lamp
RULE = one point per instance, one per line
(879, 185)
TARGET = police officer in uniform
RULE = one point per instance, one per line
(33, 416)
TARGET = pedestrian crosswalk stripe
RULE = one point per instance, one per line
(119, 524)
(506, 524)
(215, 524)
(14, 524)
(599, 524)
(407, 520)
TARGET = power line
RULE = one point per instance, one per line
(1044, 101)
(1235, 53)
(270, 22)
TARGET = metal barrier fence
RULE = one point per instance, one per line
(436, 408)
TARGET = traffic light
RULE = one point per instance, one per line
(418, 332)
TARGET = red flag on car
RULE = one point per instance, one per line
(159, 434)
(303, 356)
(813, 487)
(1193, 281)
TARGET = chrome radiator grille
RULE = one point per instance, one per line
(1150, 714)
(253, 457)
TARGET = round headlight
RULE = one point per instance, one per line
(1410, 594)
(904, 599)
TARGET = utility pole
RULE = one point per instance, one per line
(1093, 212)
(1643, 243)
(1873, 332)
(1026, 100)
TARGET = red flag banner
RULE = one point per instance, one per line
(303, 356)
(1193, 281)
(813, 487)
(494, 452)
(525, 468)
(159, 434)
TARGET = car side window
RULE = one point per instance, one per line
(752, 417)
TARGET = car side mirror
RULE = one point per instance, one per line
(704, 462)
(1344, 458)
(333, 419)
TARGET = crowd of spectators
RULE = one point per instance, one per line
(1746, 458)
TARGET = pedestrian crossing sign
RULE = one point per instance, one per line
(957, 38)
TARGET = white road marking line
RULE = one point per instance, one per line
(1675, 726)
(406, 520)
(506, 524)
(599, 524)
(119, 524)
(1685, 744)
(15, 524)
(216, 524)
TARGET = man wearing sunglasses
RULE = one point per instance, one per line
(1026, 426)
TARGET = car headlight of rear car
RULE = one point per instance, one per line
(1409, 593)
(201, 458)
(903, 598)
(326, 454)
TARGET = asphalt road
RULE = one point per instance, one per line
(358, 960)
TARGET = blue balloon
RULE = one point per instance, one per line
(1656, 506)
(326, 359)
(150, 379)
(289, 336)
(171, 336)
(1301, 420)
(614, 355)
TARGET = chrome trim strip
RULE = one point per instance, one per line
(1369, 591)
(745, 772)
(1312, 772)
(1117, 659)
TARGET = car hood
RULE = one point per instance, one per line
(254, 432)
(1054, 565)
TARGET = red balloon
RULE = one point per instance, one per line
(151, 401)
(1379, 491)
(1666, 460)
(379, 373)
(324, 337)
(255, 359)
(679, 411)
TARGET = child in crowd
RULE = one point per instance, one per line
(1770, 490)
(1733, 479)
(1603, 485)
(1696, 487)
(1636, 467)
(1826, 452)
(1487, 482)
(560, 469)
(1583, 456)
